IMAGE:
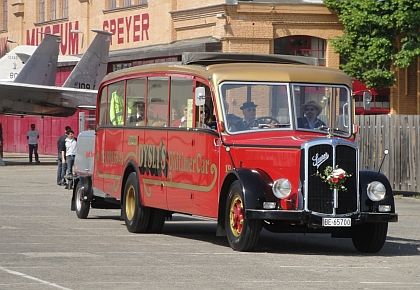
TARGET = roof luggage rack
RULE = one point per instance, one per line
(208, 58)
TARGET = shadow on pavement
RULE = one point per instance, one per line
(13, 159)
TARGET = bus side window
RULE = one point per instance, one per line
(135, 102)
(103, 108)
(204, 115)
(157, 98)
(181, 92)
(116, 103)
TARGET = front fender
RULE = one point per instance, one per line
(367, 205)
(256, 186)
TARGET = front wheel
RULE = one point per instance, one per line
(82, 205)
(136, 216)
(369, 237)
(242, 233)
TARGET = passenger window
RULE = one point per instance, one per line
(103, 108)
(204, 115)
(135, 102)
(157, 102)
(181, 95)
(116, 103)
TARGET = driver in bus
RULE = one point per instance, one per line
(249, 109)
(311, 111)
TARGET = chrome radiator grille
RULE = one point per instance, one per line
(318, 196)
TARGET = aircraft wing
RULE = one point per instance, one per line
(28, 99)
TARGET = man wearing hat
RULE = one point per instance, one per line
(311, 111)
(249, 110)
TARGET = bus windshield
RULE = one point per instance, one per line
(250, 106)
(322, 107)
(255, 106)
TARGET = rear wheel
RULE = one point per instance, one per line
(135, 215)
(82, 205)
(242, 233)
(369, 237)
(157, 220)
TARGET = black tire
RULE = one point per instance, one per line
(82, 206)
(135, 215)
(157, 220)
(369, 237)
(242, 234)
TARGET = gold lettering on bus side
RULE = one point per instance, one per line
(228, 167)
(188, 186)
(149, 156)
(162, 156)
(132, 140)
(113, 157)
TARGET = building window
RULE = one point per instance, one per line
(302, 45)
(112, 4)
(53, 10)
(4, 16)
(65, 8)
(41, 10)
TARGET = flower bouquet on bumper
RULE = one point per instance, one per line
(334, 177)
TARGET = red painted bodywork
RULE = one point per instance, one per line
(183, 170)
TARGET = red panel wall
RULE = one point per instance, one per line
(50, 128)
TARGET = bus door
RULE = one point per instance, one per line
(153, 162)
(181, 140)
(113, 154)
(206, 155)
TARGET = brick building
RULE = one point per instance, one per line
(148, 31)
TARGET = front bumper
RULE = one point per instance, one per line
(315, 219)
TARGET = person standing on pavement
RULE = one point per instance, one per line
(70, 153)
(61, 158)
(32, 136)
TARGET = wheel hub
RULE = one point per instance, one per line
(130, 203)
(236, 216)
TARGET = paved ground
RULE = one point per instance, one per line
(44, 246)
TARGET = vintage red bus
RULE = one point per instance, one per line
(251, 141)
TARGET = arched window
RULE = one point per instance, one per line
(302, 45)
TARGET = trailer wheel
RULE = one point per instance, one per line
(136, 216)
(369, 237)
(82, 205)
(242, 233)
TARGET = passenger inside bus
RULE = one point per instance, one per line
(136, 114)
(310, 120)
(116, 106)
(206, 120)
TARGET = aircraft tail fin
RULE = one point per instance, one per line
(92, 67)
(41, 67)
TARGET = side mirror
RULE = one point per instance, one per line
(367, 99)
(200, 96)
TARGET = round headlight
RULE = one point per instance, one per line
(282, 188)
(376, 191)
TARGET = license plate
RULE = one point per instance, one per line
(336, 222)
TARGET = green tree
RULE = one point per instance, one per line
(378, 34)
